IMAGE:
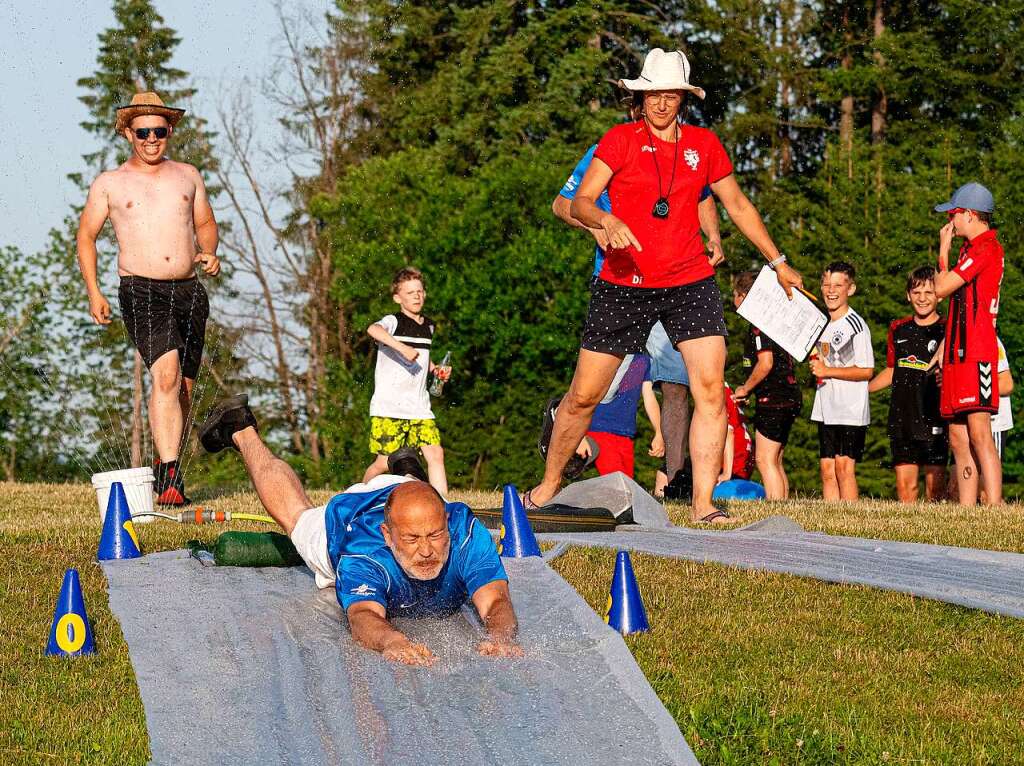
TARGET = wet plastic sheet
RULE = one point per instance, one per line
(244, 666)
(618, 493)
(991, 581)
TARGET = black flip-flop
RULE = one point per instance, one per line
(712, 516)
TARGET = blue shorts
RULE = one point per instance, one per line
(666, 361)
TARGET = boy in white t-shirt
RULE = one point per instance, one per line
(400, 413)
(843, 366)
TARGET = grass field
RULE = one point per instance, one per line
(757, 668)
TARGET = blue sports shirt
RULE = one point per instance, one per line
(604, 203)
(367, 570)
(619, 415)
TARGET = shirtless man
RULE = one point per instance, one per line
(164, 226)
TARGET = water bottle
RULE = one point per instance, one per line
(437, 384)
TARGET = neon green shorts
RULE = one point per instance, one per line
(388, 435)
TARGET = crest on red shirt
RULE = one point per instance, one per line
(692, 158)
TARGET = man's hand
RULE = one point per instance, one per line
(723, 476)
(443, 373)
(211, 263)
(619, 235)
(788, 278)
(491, 648)
(740, 395)
(819, 368)
(584, 449)
(600, 237)
(401, 649)
(99, 309)
(716, 253)
(657, 446)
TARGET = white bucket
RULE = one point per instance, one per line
(138, 488)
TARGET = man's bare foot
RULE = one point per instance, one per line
(712, 516)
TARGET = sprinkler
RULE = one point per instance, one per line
(200, 515)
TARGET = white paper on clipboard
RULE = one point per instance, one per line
(793, 324)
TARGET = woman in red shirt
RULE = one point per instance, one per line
(656, 267)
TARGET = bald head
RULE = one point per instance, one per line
(413, 501)
(415, 528)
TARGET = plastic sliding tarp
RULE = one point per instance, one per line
(991, 581)
(241, 666)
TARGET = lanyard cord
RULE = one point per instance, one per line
(654, 153)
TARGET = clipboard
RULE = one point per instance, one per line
(794, 325)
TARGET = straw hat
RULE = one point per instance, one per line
(145, 103)
(664, 70)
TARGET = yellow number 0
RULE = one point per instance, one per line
(70, 633)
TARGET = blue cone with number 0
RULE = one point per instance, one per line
(70, 633)
(625, 607)
(516, 539)
(118, 539)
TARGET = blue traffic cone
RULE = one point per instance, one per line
(625, 607)
(118, 539)
(70, 633)
(516, 540)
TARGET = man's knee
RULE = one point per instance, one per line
(828, 469)
(167, 381)
(709, 399)
(580, 402)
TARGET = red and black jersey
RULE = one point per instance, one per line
(914, 409)
(971, 326)
(779, 390)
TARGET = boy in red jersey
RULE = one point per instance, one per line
(970, 353)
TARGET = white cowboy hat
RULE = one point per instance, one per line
(664, 70)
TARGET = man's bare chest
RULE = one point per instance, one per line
(151, 199)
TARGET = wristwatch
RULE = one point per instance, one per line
(778, 261)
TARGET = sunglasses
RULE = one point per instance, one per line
(143, 133)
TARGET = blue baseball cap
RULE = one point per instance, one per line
(972, 196)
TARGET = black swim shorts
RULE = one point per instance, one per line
(775, 423)
(841, 441)
(163, 315)
(934, 451)
(621, 317)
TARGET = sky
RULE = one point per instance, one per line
(47, 47)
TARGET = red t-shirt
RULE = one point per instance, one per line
(673, 252)
(971, 325)
(742, 446)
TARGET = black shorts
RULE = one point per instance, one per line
(775, 424)
(920, 451)
(163, 315)
(845, 441)
(621, 317)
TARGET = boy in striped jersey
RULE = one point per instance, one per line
(400, 413)
(843, 366)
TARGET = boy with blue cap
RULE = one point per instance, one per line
(970, 353)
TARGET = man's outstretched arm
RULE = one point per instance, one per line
(371, 629)
(494, 605)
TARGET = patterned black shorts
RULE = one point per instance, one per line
(621, 317)
(163, 315)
